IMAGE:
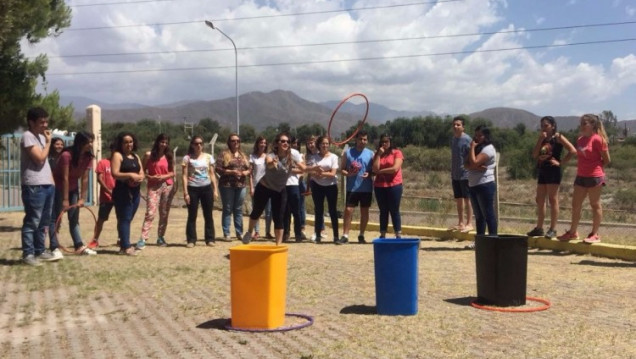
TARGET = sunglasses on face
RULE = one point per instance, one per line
(283, 141)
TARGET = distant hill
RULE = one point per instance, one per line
(510, 117)
(261, 110)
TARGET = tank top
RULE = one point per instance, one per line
(550, 147)
(128, 165)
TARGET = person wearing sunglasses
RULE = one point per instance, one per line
(272, 186)
(233, 167)
(199, 185)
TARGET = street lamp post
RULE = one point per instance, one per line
(211, 25)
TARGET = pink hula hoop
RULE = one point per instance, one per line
(360, 124)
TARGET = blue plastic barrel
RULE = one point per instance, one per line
(396, 275)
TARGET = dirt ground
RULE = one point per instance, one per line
(174, 302)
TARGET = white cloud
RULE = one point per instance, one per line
(466, 82)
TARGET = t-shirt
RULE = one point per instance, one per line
(459, 151)
(298, 158)
(589, 159)
(159, 167)
(327, 163)
(363, 162)
(477, 177)
(258, 167)
(103, 167)
(276, 178)
(74, 173)
(31, 173)
(198, 175)
(553, 148)
(389, 179)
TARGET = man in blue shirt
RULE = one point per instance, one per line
(356, 168)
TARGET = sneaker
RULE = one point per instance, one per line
(382, 235)
(592, 238)
(285, 237)
(398, 235)
(247, 237)
(342, 240)
(31, 261)
(141, 244)
(57, 255)
(323, 235)
(551, 233)
(568, 236)
(190, 245)
(93, 244)
(85, 251)
(470, 245)
(47, 257)
(536, 232)
(161, 242)
(269, 236)
(361, 239)
(210, 243)
(227, 238)
(313, 238)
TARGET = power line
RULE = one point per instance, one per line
(267, 16)
(348, 60)
(355, 42)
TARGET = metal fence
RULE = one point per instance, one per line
(10, 188)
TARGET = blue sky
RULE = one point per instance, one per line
(157, 52)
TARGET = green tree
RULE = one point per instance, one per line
(32, 20)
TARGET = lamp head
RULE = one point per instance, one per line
(210, 24)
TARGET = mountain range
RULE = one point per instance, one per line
(261, 110)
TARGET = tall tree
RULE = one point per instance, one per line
(32, 20)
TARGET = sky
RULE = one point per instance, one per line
(548, 57)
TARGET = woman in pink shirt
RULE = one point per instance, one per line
(387, 168)
(159, 166)
(592, 155)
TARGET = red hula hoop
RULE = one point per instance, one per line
(59, 219)
(546, 304)
(360, 124)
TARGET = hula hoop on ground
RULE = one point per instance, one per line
(546, 304)
(59, 219)
(309, 318)
(360, 124)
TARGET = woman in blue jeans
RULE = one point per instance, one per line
(387, 167)
(233, 167)
(128, 172)
(481, 164)
(324, 184)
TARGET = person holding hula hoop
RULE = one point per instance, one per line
(387, 168)
(72, 166)
(592, 155)
(279, 164)
(547, 152)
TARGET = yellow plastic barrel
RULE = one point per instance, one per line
(258, 280)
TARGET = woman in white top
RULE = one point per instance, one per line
(324, 184)
(481, 180)
(199, 185)
(257, 162)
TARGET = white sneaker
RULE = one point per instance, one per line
(88, 252)
(57, 254)
(313, 237)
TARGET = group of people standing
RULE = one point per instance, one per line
(55, 180)
(473, 180)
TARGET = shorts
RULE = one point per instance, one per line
(549, 175)
(364, 198)
(589, 182)
(461, 189)
(104, 210)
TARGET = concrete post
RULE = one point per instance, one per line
(94, 125)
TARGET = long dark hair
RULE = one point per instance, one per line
(119, 141)
(384, 137)
(81, 139)
(256, 142)
(550, 120)
(154, 152)
(487, 139)
(191, 147)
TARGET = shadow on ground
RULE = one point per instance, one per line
(359, 309)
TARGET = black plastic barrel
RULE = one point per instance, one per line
(502, 267)
(396, 275)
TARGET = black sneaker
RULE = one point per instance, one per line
(361, 239)
(536, 232)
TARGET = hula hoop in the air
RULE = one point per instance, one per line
(360, 124)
